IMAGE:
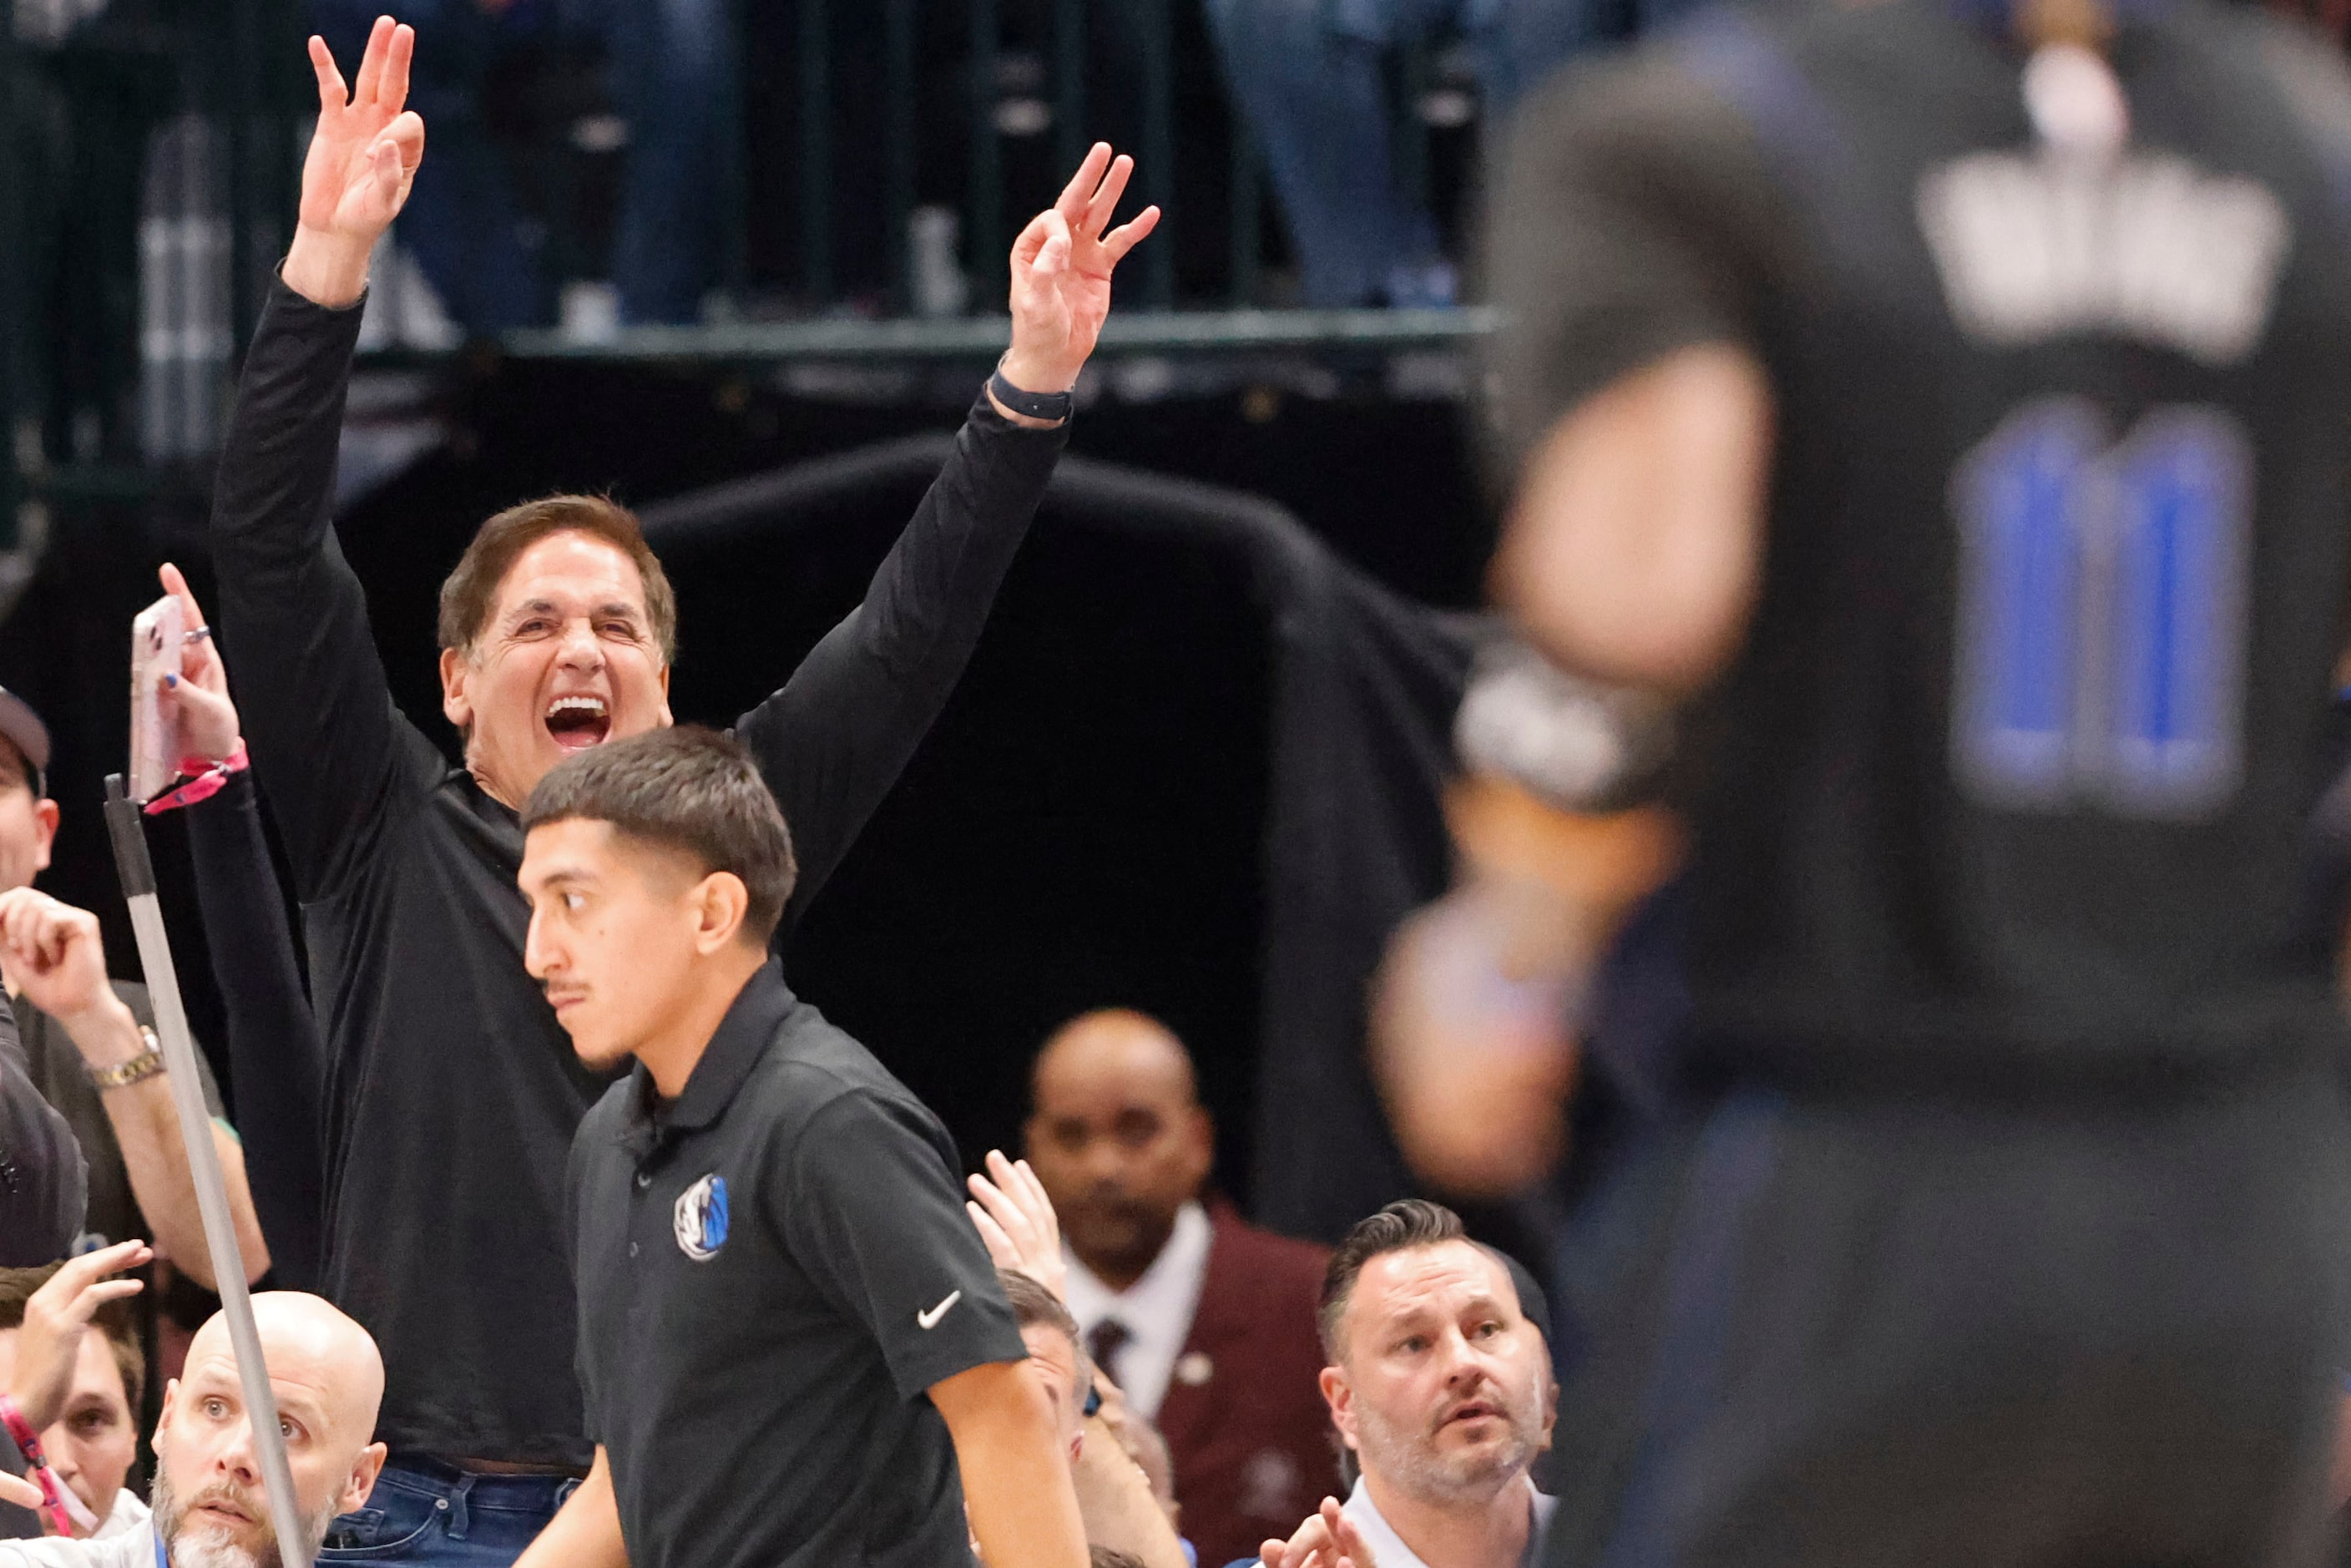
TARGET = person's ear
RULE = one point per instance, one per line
(163, 1419)
(720, 903)
(44, 832)
(1200, 1144)
(1077, 1449)
(457, 697)
(1342, 1400)
(361, 1482)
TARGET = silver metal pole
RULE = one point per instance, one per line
(138, 873)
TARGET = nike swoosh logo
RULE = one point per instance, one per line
(930, 1320)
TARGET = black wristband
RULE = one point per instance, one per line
(1054, 406)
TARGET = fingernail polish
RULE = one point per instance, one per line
(172, 681)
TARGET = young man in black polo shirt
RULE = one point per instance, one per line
(790, 1337)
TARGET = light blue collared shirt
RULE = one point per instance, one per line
(1389, 1550)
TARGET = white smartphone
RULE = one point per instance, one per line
(155, 641)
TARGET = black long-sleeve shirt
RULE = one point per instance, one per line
(275, 1058)
(43, 1179)
(451, 1094)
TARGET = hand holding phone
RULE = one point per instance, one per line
(197, 704)
(156, 637)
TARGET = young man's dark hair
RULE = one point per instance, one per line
(689, 790)
(1407, 1223)
(471, 590)
(113, 1320)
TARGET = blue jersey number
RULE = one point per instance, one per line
(2102, 611)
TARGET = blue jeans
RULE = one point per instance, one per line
(1308, 76)
(425, 1511)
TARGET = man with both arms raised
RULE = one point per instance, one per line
(452, 1094)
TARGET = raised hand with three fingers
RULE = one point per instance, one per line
(362, 163)
(1061, 268)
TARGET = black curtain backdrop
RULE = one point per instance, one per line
(1329, 700)
(1191, 768)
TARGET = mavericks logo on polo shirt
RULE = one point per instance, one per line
(700, 1219)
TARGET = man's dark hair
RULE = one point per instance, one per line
(689, 790)
(471, 591)
(112, 1319)
(1033, 1306)
(1403, 1224)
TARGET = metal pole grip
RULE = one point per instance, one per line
(129, 833)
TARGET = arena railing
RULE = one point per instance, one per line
(132, 289)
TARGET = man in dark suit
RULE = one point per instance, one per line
(1206, 1321)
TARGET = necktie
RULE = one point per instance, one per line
(1104, 1342)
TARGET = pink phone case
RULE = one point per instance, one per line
(155, 641)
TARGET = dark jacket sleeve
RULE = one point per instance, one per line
(275, 1058)
(325, 739)
(834, 740)
(44, 1180)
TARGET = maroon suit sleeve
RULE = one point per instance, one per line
(1244, 1415)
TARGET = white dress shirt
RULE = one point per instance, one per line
(1156, 1309)
(1387, 1547)
(126, 1515)
(130, 1548)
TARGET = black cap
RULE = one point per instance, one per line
(23, 730)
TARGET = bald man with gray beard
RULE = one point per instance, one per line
(211, 1509)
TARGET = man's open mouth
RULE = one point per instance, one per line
(578, 723)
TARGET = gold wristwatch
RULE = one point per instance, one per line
(138, 1069)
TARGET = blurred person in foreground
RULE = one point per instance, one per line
(1484, 1005)
(72, 1366)
(210, 1508)
(447, 1076)
(1996, 605)
(90, 1041)
(1206, 1321)
(1439, 1382)
(793, 1346)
